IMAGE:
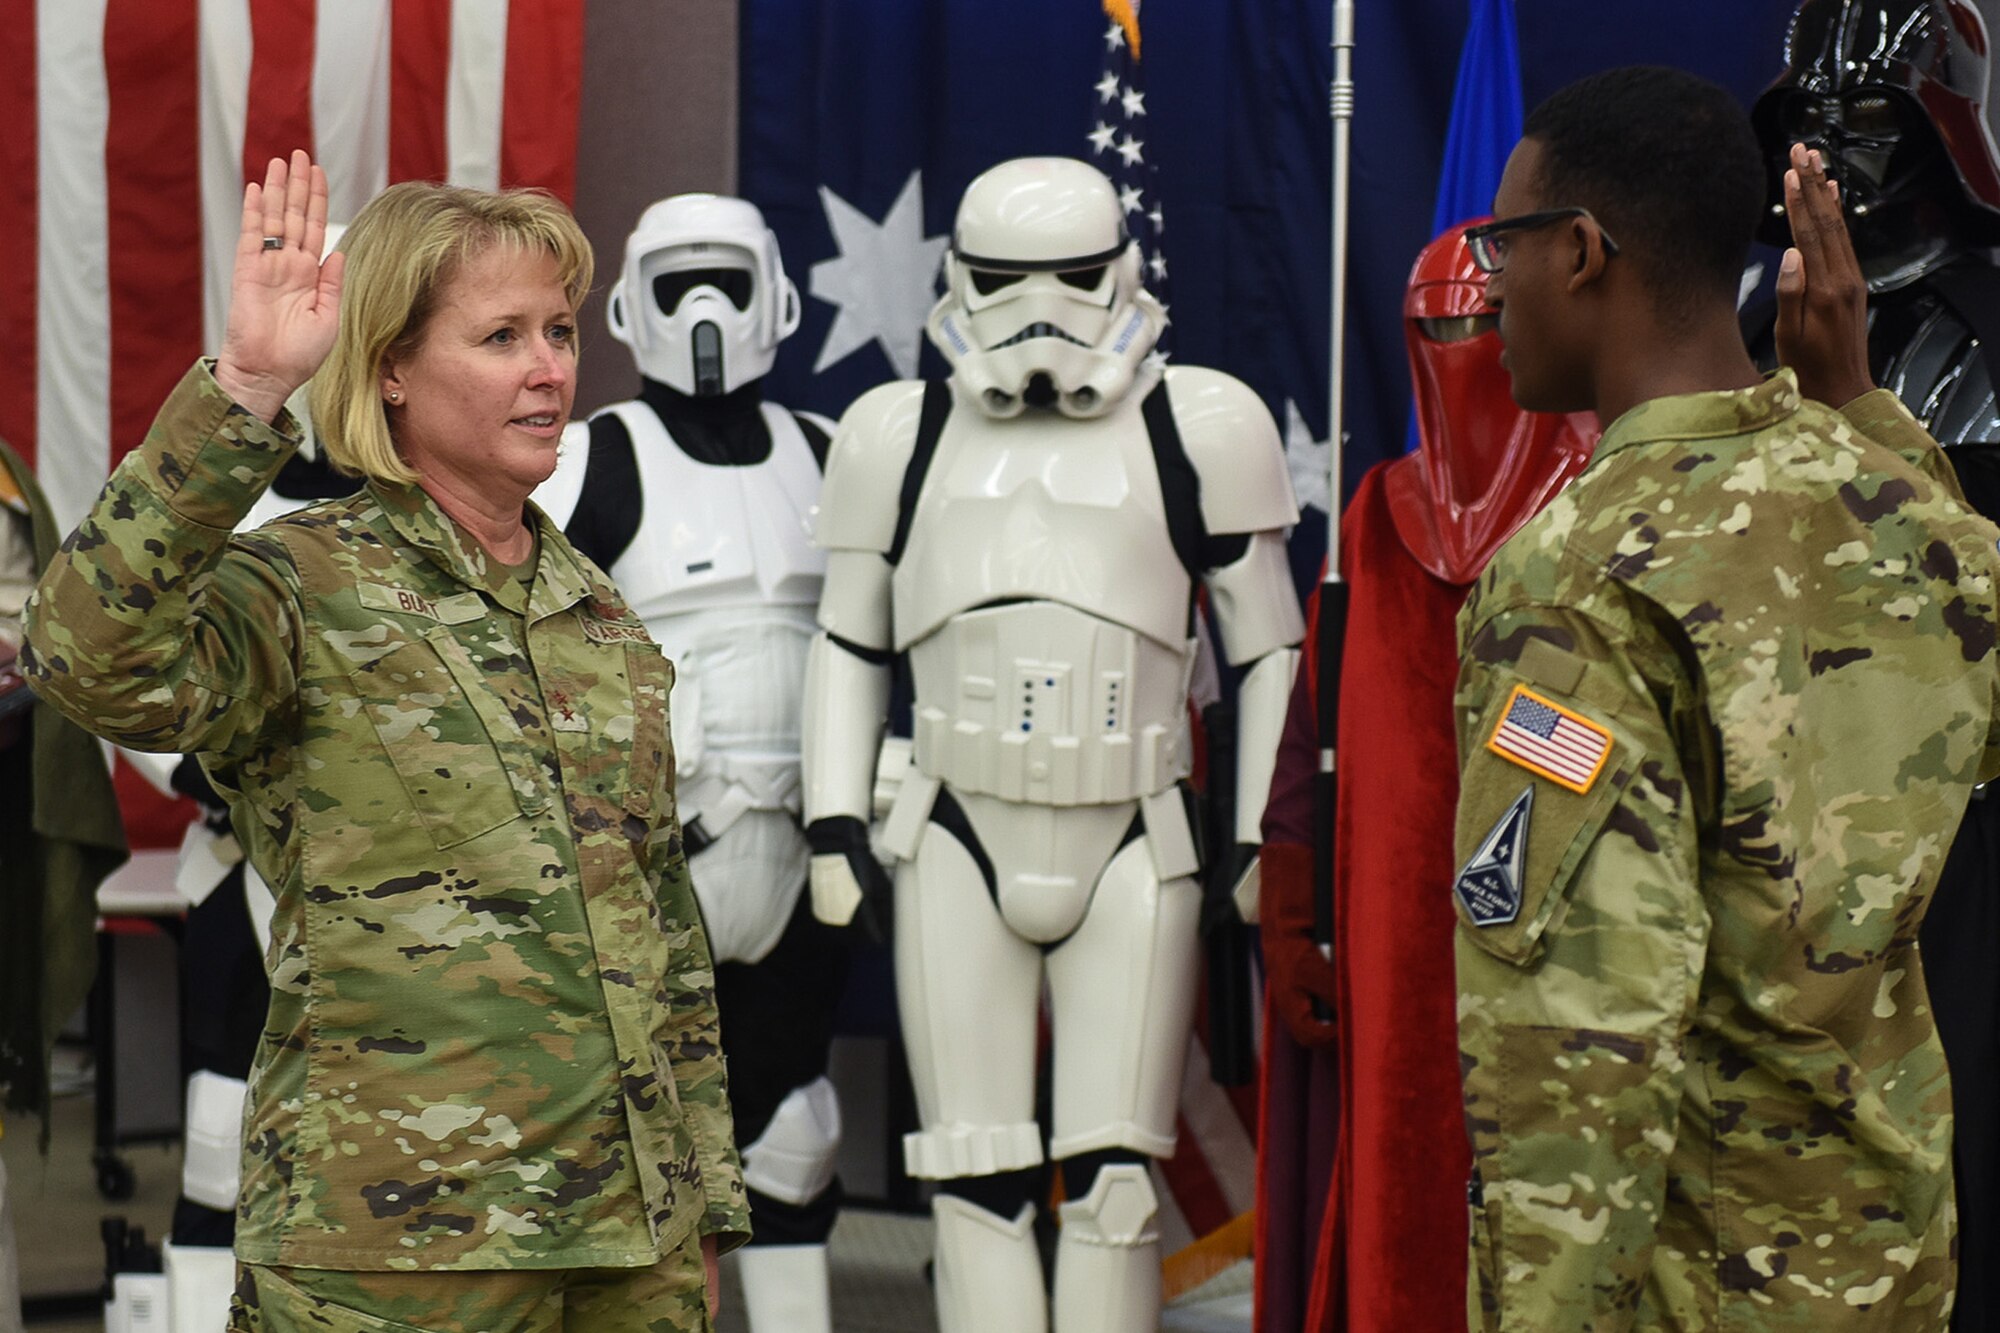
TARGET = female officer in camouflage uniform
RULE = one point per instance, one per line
(488, 1095)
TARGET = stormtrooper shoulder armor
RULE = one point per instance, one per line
(861, 500)
(1233, 446)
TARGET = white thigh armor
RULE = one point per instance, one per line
(1110, 922)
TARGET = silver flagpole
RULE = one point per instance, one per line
(1343, 134)
(1331, 632)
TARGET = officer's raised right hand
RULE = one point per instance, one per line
(284, 304)
(847, 880)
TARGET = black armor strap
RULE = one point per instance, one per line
(930, 426)
(1180, 489)
(611, 505)
(816, 438)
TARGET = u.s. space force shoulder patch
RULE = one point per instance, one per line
(1489, 885)
(1548, 739)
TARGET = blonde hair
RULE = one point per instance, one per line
(402, 249)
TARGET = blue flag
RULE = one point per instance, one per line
(1485, 116)
(1485, 124)
(861, 126)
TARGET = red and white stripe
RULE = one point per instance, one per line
(1212, 1176)
(132, 125)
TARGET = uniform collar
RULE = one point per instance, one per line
(560, 578)
(1702, 416)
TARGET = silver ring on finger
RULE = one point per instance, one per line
(274, 242)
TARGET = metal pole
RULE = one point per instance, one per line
(1343, 127)
(1331, 636)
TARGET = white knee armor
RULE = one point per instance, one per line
(792, 1160)
(1108, 1255)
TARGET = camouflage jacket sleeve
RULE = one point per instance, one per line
(1882, 417)
(1581, 933)
(151, 627)
(693, 1037)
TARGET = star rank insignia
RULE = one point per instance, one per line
(1489, 887)
(565, 714)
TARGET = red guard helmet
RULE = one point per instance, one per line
(1483, 467)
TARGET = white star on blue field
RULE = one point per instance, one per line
(883, 283)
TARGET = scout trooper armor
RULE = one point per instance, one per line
(696, 497)
(1029, 534)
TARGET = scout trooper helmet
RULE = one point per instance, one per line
(702, 299)
(1043, 305)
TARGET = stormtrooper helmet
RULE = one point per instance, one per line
(702, 299)
(1043, 304)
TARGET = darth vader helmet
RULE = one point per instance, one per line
(1892, 93)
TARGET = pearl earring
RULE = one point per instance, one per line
(395, 395)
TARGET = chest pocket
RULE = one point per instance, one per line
(1530, 807)
(457, 751)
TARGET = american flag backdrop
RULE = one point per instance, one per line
(132, 125)
(1117, 138)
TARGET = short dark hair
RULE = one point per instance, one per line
(1667, 161)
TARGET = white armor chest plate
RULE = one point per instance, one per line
(1052, 509)
(715, 536)
(724, 573)
(1046, 614)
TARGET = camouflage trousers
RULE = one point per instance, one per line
(668, 1297)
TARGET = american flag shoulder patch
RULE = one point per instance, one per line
(1543, 737)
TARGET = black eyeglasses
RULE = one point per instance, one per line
(1488, 243)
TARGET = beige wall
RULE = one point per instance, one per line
(659, 118)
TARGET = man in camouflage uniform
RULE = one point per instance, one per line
(492, 1049)
(1721, 707)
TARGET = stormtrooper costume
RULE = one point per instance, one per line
(696, 497)
(1029, 535)
(1893, 94)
